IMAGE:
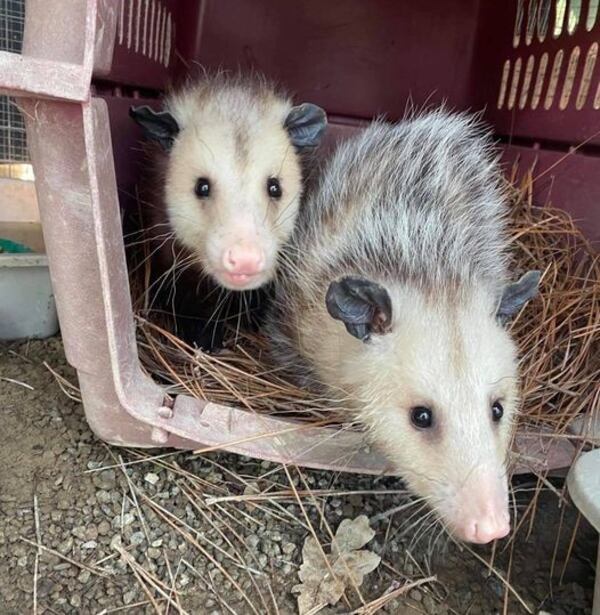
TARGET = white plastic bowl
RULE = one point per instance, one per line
(27, 308)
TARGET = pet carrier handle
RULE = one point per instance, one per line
(57, 64)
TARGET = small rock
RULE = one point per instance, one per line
(151, 478)
(137, 538)
(90, 544)
(116, 542)
(103, 528)
(416, 595)
(106, 480)
(64, 503)
(22, 561)
(153, 553)
(128, 519)
(75, 601)
(252, 541)
(103, 496)
(78, 532)
(184, 579)
(288, 548)
(157, 543)
(84, 576)
(45, 587)
(128, 597)
(66, 545)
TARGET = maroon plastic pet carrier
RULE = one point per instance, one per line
(530, 64)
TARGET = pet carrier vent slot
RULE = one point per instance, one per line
(538, 17)
(591, 14)
(539, 82)
(554, 75)
(532, 16)
(503, 84)
(586, 76)
(543, 19)
(518, 23)
(146, 27)
(526, 82)
(514, 86)
(569, 79)
(597, 98)
(521, 78)
(574, 15)
(559, 17)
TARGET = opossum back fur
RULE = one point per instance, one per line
(418, 203)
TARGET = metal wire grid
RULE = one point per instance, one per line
(13, 140)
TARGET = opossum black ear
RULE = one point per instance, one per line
(159, 126)
(306, 125)
(516, 295)
(362, 305)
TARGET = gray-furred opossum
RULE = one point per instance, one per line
(225, 193)
(393, 299)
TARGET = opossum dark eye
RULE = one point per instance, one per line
(202, 188)
(421, 417)
(497, 411)
(274, 188)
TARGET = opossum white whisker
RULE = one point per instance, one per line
(134, 269)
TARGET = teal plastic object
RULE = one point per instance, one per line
(12, 247)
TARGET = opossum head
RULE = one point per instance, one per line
(437, 385)
(234, 179)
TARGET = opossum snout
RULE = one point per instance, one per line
(244, 259)
(243, 266)
(482, 512)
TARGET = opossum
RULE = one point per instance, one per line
(227, 159)
(393, 301)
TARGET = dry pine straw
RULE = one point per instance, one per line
(558, 336)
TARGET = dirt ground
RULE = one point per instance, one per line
(85, 528)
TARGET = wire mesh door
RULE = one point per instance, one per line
(14, 157)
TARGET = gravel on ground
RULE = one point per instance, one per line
(88, 528)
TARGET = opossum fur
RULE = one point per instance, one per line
(236, 133)
(391, 298)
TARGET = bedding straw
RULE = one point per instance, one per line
(557, 334)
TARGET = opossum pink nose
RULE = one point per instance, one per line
(244, 259)
(486, 529)
(482, 515)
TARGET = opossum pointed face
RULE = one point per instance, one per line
(234, 182)
(437, 385)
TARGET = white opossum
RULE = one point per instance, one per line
(228, 186)
(393, 299)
